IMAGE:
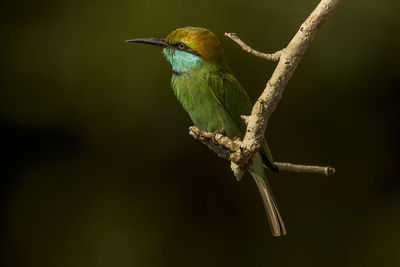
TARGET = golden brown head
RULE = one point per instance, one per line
(202, 41)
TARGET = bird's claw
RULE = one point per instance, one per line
(221, 132)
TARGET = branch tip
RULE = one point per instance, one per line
(290, 167)
(272, 57)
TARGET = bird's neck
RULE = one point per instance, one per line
(182, 62)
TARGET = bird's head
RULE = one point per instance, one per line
(189, 47)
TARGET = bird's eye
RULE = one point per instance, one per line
(181, 46)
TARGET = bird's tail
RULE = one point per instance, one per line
(274, 218)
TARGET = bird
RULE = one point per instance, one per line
(205, 86)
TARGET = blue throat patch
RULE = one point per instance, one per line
(181, 62)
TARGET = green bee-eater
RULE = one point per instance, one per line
(205, 86)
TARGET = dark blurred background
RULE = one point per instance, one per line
(98, 168)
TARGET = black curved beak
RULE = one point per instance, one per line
(150, 41)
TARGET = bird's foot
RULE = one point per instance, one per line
(219, 133)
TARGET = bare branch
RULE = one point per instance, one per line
(240, 152)
(289, 59)
(224, 147)
(216, 138)
(272, 57)
(290, 167)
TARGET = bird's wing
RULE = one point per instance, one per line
(229, 93)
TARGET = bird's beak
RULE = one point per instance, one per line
(150, 41)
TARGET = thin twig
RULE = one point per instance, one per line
(272, 57)
(290, 167)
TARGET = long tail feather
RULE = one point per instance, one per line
(274, 218)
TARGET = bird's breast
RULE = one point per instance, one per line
(206, 112)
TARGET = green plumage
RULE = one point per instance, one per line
(215, 100)
(205, 86)
(204, 94)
